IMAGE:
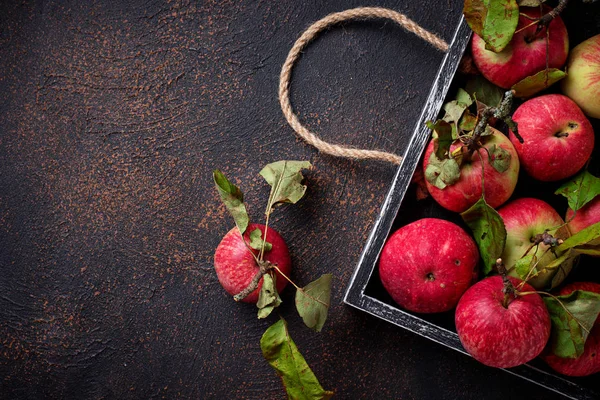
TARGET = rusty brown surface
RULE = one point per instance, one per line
(112, 117)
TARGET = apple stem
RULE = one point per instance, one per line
(547, 18)
(263, 268)
(501, 112)
(547, 239)
(510, 293)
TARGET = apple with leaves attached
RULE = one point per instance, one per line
(236, 265)
(525, 55)
(533, 231)
(589, 361)
(501, 330)
(428, 264)
(558, 138)
(460, 188)
(582, 83)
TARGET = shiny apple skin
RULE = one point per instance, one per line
(546, 155)
(499, 336)
(582, 83)
(428, 264)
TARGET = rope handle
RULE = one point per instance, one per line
(363, 13)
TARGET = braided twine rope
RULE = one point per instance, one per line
(361, 13)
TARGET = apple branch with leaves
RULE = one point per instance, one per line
(312, 301)
(496, 22)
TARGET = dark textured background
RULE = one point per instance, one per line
(112, 116)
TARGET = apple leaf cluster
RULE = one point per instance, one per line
(312, 301)
(497, 23)
(458, 127)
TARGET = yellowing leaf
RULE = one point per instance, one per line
(233, 198)
(285, 179)
(268, 297)
(442, 173)
(570, 327)
(256, 240)
(312, 302)
(529, 86)
(281, 352)
(499, 158)
(443, 137)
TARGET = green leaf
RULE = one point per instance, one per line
(233, 198)
(499, 158)
(281, 352)
(580, 190)
(495, 21)
(312, 302)
(488, 230)
(591, 251)
(524, 266)
(463, 97)
(268, 297)
(454, 110)
(581, 238)
(530, 3)
(443, 137)
(285, 179)
(529, 86)
(564, 265)
(568, 336)
(256, 240)
(442, 173)
(484, 91)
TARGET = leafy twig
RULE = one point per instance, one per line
(501, 112)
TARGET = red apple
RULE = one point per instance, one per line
(236, 267)
(500, 335)
(525, 55)
(582, 83)
(427, 265)
(589, 362)
(586, 216)
(558, 138)
(499, 186)
(525, 218)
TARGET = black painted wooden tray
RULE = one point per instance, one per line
(365, 291)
